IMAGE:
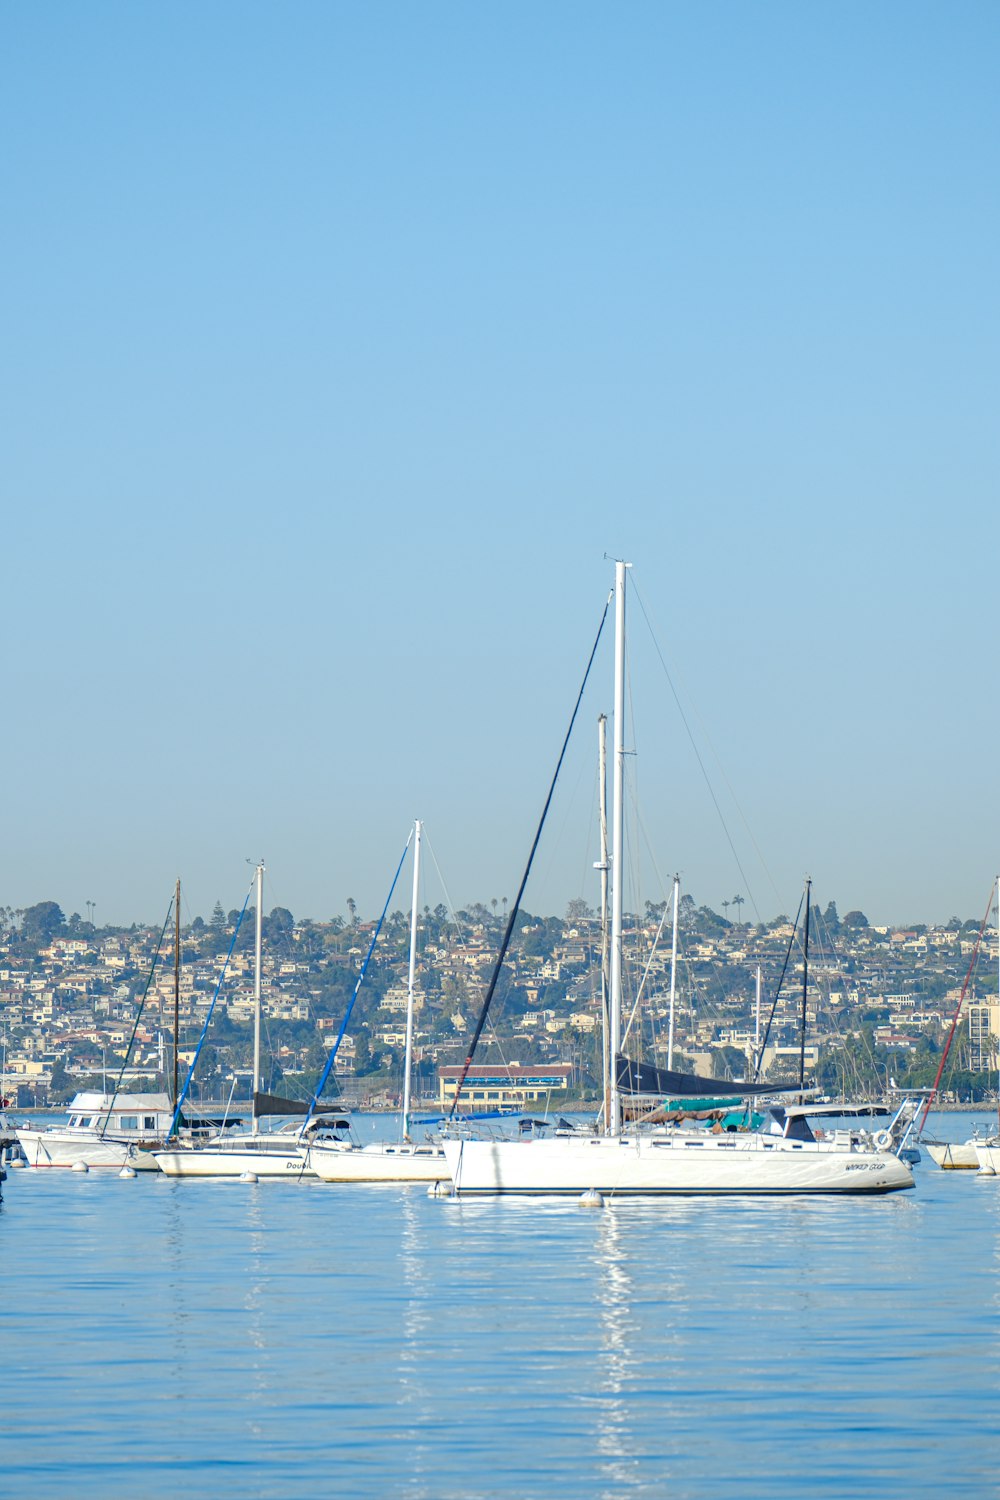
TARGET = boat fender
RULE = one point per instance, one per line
(883, 1139)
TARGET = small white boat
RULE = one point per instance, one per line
(954, 1156)
(102, 1130)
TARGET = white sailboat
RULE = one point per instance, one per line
(384, 1161)
(786, 1159)
(988, 1151)
(259, 1152)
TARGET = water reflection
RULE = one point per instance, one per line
(615, 1440)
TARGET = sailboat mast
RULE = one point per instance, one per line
(408, 1060)
(177, 981)
(602, 866)
(258, 937)
(617, 862)
(673, 976)
(805, 987)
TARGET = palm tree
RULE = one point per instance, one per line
(352, 907)
(725, 907)
(738, 902)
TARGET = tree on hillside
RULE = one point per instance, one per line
(41, 923)
(279, 923)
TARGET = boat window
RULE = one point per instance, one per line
(88, 1122)
(74, 1120)
(694, 1143)
(128, 1122)
(149, 1122)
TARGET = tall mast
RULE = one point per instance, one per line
(805, 986)
(602, 866)
(409, 985)
(177, 981)
(756, 1029)
(256, 992)
(617, 862)
(673, 976)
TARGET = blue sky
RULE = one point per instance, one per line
(341, 343)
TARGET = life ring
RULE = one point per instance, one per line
(883, 1139)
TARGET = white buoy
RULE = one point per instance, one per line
(441, 1190)
(80, 1166)
(127, 1171)
(591, 1199)
(986, 1172)
(248, 1176)
(17, 1162)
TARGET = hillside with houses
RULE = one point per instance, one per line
(81, 1005)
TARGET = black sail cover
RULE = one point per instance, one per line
(643, 1078)
(273, 1104)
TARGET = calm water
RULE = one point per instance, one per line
(220, 1339)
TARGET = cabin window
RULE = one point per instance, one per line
(128, 1122)
(149, 1122)
(89, 1121)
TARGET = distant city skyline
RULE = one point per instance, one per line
(342, 345)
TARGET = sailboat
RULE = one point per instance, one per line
(961, 1156)
(785, 1159)
(259, 1152)
(386, 1161)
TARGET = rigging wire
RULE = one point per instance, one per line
(317, 1094)
(958, 1011)
(704, 771)
(774, 1004)
(204, 1030)
(527, 871)
(135, 1025)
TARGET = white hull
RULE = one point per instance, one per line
(954, 1156)
(988, 1158)
(233, 1161)
(657, 1164)
(379, 1163)
(64, 1148)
